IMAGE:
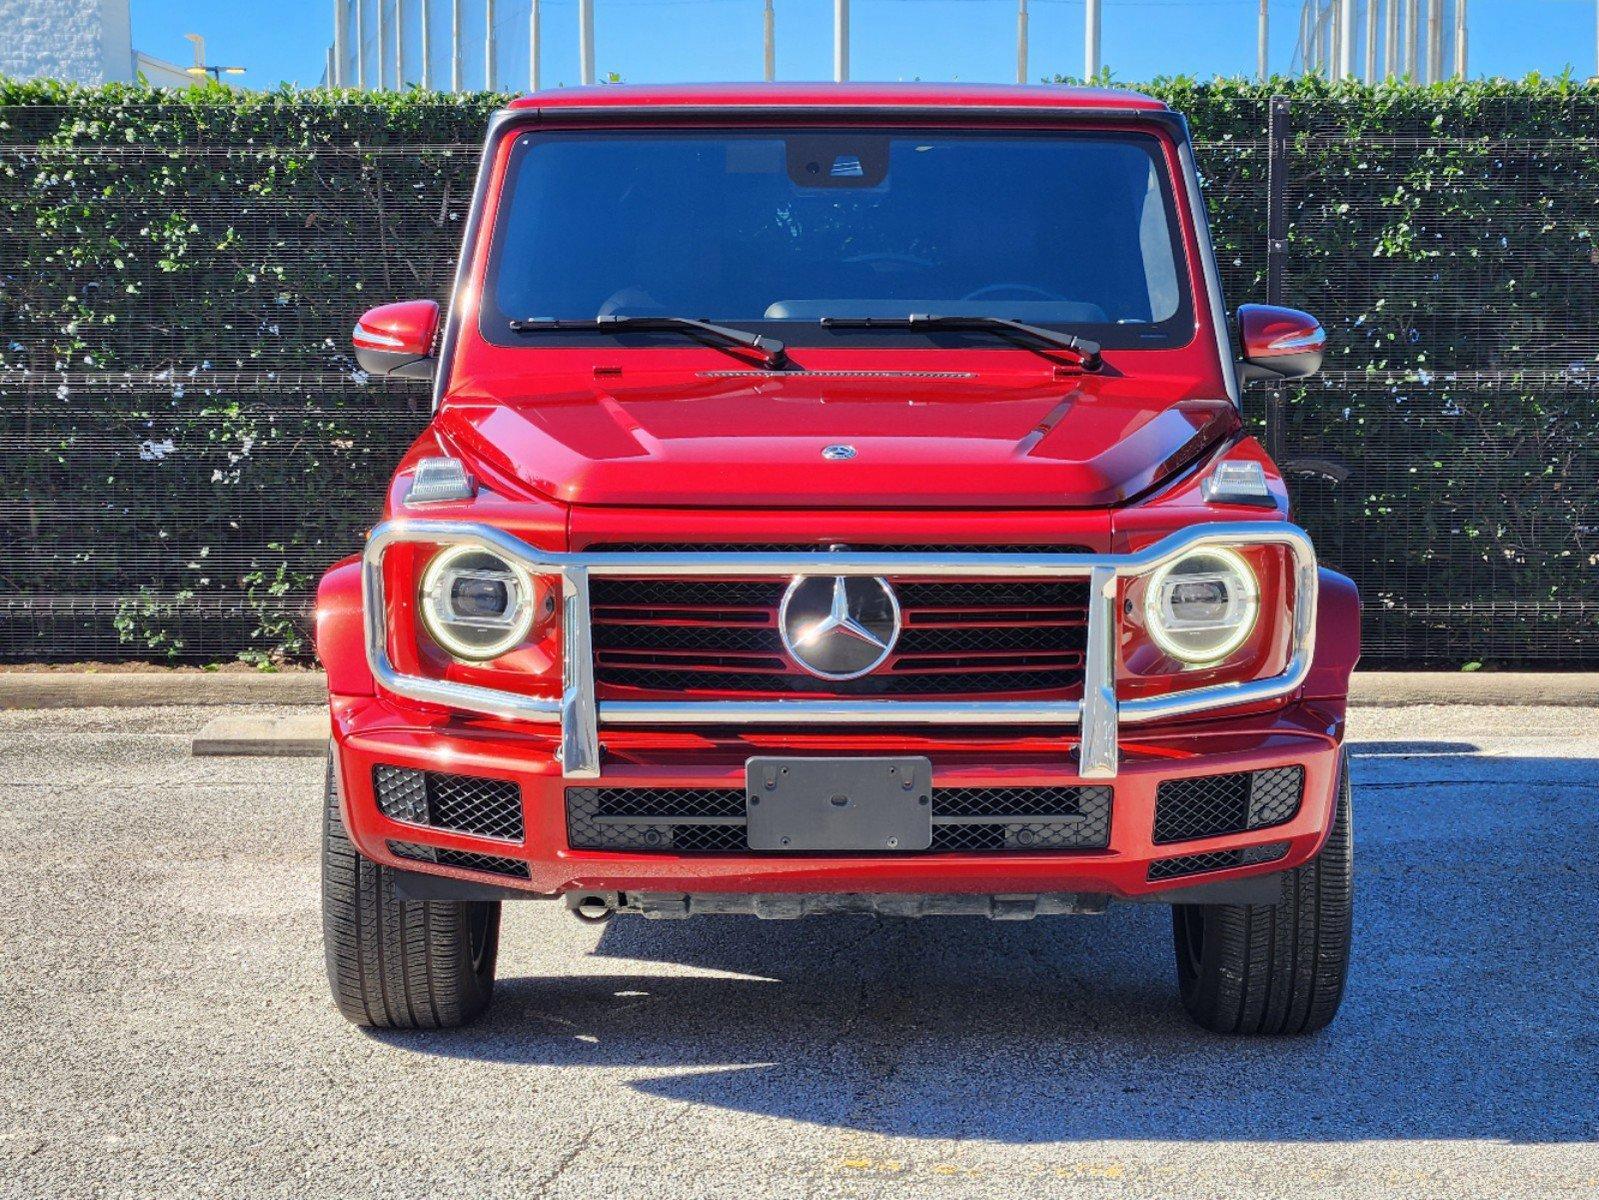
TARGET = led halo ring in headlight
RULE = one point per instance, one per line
(476, 604)
(1199, 608)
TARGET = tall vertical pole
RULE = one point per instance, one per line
(585, 39)
(455, 45)
(533, 32)
(329, 72)
(1371, 41)
(1435, 40)
(399, 44)
(1021, 41)
(1390, 38)
(1346, 38)
(383, 47)
(360, 43)
(1091, 58)
(1307, 51)
(1460, 39)
(1413, 40)
(341, 16)
(840, 41)
(490, 50)
(769, 43)
(1262, 44)
(425, 12)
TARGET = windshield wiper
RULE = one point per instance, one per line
(1085, 351)
(770, 350)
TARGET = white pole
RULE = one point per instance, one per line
(585, 39)
(1346, 38)
(840, 41)
(341, 14)
(1021, 41)
(1390, 38)
(489, 48)
(1413, 40)
(533, 32)
(769, 43)
(360, 44)
(1460, 39)
(427, 45)
(1435, 40)
(1371, 41)
(455, 45)
(1091, 60)
(383, 44)
(399, 44)
(1262, 45)
(1305, 54)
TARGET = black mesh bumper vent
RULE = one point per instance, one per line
(1216, 860)
(711, 820)
(489, 864)
(1213, 805)
(460, 803)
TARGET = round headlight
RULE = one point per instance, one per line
(1201, 607)
(475, 603)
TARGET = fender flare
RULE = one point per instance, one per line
(1337, 637)
(340, 637)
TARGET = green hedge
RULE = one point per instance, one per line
(188, 441)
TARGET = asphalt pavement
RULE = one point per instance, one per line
(168, 1030)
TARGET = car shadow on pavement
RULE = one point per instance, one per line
(1469, 1014)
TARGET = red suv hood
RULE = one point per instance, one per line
(747, 439)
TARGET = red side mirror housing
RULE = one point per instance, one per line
(1278, 343)
(397, 339)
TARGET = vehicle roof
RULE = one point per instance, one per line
(840, 95)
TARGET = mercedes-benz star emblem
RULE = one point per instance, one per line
(840, 626)
(838, 453)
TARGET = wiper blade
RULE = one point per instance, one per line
(770, 350)
(1085, 351)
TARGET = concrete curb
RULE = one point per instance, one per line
(133, 689)
(298, 735)
(1396, 689)
(88, 689)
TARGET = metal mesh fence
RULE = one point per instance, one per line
(187, 442)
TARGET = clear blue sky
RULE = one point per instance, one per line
(666, 40)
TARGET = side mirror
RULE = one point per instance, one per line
(1278, 343)
(397, 339)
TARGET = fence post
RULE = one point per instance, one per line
(1277, 134)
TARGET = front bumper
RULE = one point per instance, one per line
(372, 732)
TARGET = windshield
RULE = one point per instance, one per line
(772, 231)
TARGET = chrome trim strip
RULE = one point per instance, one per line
(1100, 713)
(580, 737)
(1096, 755)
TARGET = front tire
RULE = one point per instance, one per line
(1274, 969)
(393, 963)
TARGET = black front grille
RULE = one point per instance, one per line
(489, 864)
(1214, 805)
(1216, 860)
(711, 820)
(958, 637)
(460, 803)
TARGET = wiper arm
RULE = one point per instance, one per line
(770, 350)
(1085, 351)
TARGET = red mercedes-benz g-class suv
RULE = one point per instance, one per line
(837, 501)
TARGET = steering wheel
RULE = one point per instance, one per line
(983, 293)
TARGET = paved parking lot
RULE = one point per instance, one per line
(169, 1032)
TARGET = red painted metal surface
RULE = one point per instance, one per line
(670, 445)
